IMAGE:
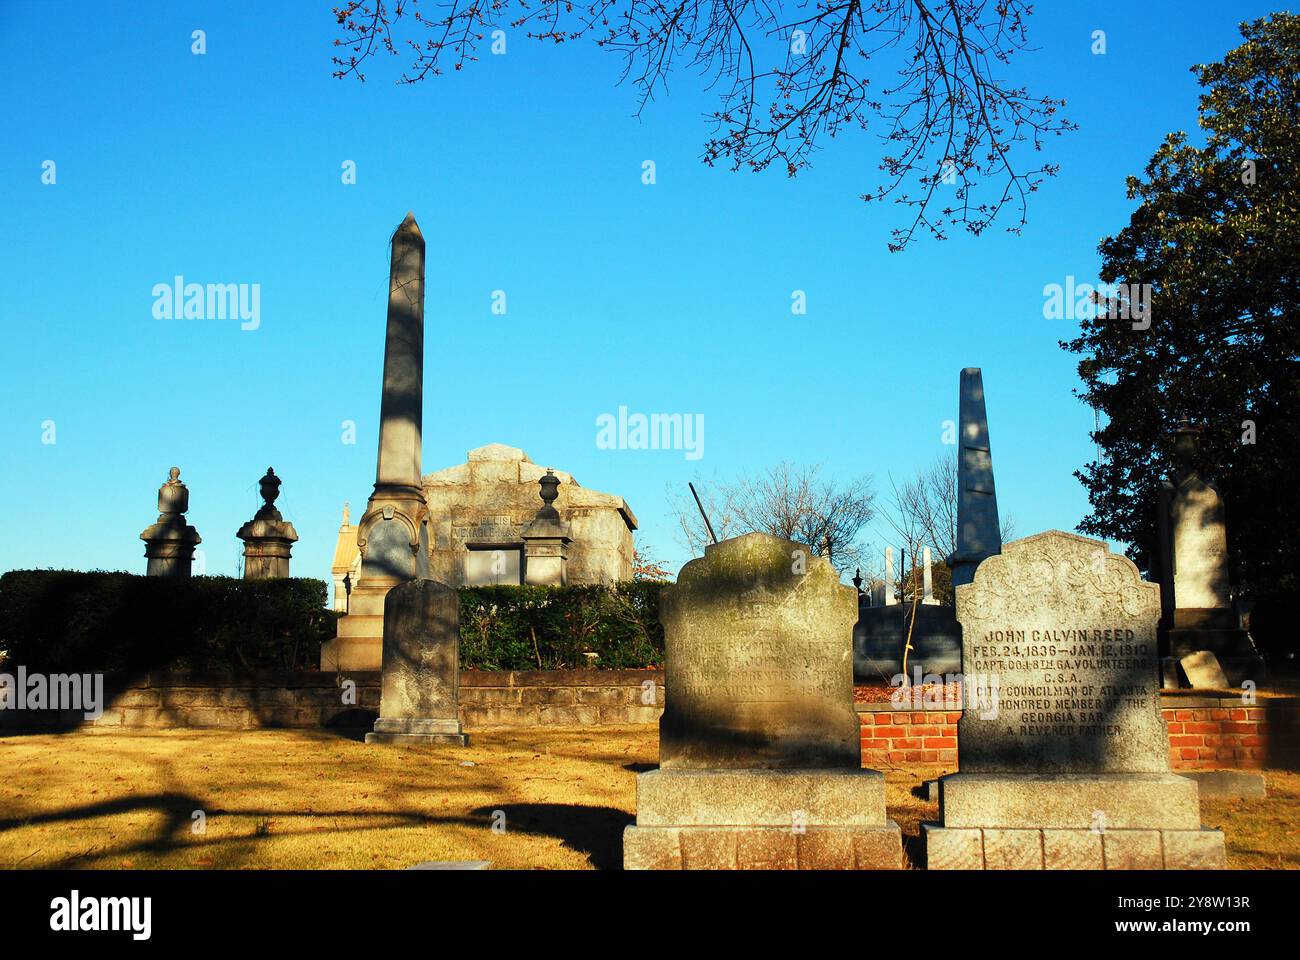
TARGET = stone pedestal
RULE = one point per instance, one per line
(758, 742)
(420, 688)
(268, 537)
(170, 541)
(546, 539)
(1214, 631)
(1146, 821)
(1064, 755)
(359, 642)
(882, 632)
(761, 820)
(545, 560)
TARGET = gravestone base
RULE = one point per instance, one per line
(359, 643)
(762, 820)
(415, 732)
(1119, 821)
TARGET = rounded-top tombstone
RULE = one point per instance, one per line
(758, 636)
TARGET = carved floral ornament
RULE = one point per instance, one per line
(1058, 576)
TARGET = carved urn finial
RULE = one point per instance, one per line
(173, 496)
(549, 491)
(270, 487)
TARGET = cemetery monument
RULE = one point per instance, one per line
(1064, 756)
(268, 537)
(1198, 617)
(392, 536)
(420, 688)
(170, 541)
(759, 758)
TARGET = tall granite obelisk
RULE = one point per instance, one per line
(979, 534)
(392, 533)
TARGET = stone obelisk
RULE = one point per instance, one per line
(392, 533)
(979, 534)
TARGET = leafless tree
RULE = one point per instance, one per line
(789, 74)
(924, 509)
(786, 500)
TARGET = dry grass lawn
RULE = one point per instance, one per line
(315, 800)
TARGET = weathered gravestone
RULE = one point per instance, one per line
(1064, 757)
(1193, 563)
(758, 745)
(420, 686)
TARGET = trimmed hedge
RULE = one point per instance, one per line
(65, 620)
(69, 621)
(554, 628)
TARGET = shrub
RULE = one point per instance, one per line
(554, 628)
(69, 621)
(63, 620)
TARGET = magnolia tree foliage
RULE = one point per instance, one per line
(1216, 233)
(919, 74)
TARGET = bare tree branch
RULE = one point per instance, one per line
(788, 501)
(788, 75)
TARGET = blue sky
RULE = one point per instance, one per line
(524, 172)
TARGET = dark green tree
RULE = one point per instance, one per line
(1216, 234)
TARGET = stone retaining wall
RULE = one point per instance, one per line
(488, 700)
(1204, 732)
(532, 698)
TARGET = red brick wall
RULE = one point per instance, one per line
(1204, 733)
(895, 737)
(1237, 736)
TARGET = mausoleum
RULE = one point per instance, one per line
(480, 512)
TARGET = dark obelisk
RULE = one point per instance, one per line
(979, 533)
(392, 533)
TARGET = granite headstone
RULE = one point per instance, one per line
(1064, 756)
(758, 744)
(420, 683)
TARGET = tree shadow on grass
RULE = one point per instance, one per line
(176, 809)
(595, 831)
(173, 834)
